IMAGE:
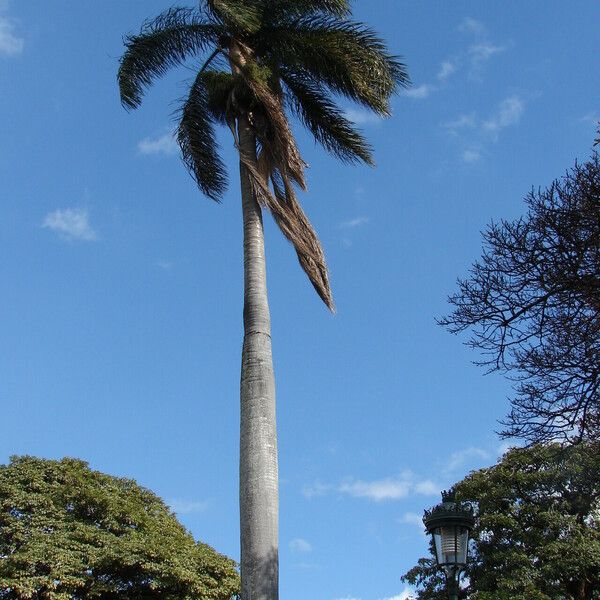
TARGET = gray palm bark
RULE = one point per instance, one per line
(259, 496)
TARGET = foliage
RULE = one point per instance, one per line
(537, 536)
(532, 306)
(261, 58)
(67, 532)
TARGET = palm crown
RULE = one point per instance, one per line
(263, 58)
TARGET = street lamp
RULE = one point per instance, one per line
(450, 524)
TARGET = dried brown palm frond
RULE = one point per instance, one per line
(293, 223)
(280, 163)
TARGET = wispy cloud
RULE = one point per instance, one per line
(482, 49)
(591, 118)
(465, 458)
(419, 92)
(505, 446)
(165, 144)
(475, 133)
(379, 490)
(165, 265)
(466, 121)
(471, 155)
(186, 507)
(300, 546)
(508, 113)
(412, 518)
(383, 489)
(426, 488)
(480, 53)
(473, 26)
(316, 489)
(362, 117)
(70, 224)
(10, 43)
(353, 223)
(447, 68)
(405, 594)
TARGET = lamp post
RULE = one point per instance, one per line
(450, 524)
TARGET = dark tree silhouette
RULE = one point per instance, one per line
(532, 306)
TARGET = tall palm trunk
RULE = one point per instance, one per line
(259, 501)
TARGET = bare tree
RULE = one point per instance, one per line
(532, 306)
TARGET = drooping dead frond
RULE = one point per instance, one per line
(276, 133)
(294, 225)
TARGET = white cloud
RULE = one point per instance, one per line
(420, 92)
(70, 223)
(299, 545)
(426, 488)
(412, 518)
(475, 133)
(447, 68)
(508, 113)
(470, 25)
(405, 594)
(466, 121)
(316, 489)
(352, 223)
(480, 53)
(362, 117)
(384, 489)
(505, 446)
(471, 155)
(186, 507)
(465, 457)
(165, 144)
(165, 265)
(388, 489)
(10, 43)
(592, 118)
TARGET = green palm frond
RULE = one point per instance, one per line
(163, 42)
(238, 16)
(347, 57)
(196, 139)
(325, 121)
(297, 54)
(276, 10)
(220, 87)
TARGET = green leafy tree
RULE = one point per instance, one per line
(263, 59)
(537, 536)
(67, 532)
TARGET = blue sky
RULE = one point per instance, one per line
(120, 318)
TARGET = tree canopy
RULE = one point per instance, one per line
(260, 61)
(68, 532)
(537, 536)
(532, 306)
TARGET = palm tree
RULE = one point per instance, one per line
(262, 58)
